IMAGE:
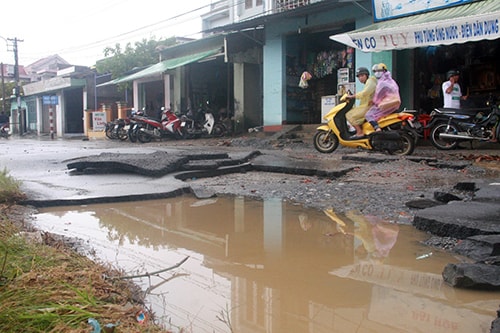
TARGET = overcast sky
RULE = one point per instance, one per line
(79, 30)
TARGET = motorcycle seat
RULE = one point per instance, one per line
(469, 112)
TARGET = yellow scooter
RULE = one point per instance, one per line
(398, 135)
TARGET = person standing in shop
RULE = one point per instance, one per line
(356, 116)
(452, 94)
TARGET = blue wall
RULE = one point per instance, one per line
(274, 51)
(274, 103)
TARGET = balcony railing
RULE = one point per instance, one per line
(284, 5)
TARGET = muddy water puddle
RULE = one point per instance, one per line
(268, 266)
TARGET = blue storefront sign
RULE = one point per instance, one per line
(390, 9)
(50, 100)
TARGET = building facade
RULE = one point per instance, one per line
(253, 54)
(297, 39)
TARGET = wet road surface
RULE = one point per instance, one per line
(267, 266)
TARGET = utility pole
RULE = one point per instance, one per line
(20, 114)
(3, 89)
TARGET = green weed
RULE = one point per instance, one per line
(10, 191)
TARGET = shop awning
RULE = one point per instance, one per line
(455, 25)
(168, 64)
(107, 83)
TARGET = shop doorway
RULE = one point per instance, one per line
(153, 98)
(210, 86)
(322, 58)
(73, 111)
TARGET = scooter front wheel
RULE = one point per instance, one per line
(122, 134)
(143, 137)
(325, 141)
(132, 135)
(443, 144)
(110, 134)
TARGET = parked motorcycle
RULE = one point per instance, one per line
(168, 126)
(398, 135)
(116, 129)
(449, 127)
(5, 130)
(134, 125)
(201, 123)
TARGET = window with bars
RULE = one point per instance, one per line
(250, 3)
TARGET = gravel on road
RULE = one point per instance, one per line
(371, 188)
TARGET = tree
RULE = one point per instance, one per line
(120, 61)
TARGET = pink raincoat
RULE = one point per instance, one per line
(386, 99)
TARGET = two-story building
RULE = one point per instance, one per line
(259, 51)
(418, 42)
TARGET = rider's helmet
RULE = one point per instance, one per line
(451, 73)
(379, 69)
(362, 70)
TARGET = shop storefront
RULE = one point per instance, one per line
(295, 42)
(421, 48)
(477, 63)
(320, 61)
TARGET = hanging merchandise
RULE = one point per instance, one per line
(327, 62)
(306, 76)
(350, 57)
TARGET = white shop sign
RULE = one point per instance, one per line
(98, 121)
(445, 32)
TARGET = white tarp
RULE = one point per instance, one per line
(422, 30)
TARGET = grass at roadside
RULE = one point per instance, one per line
(9, 188)
(47, 287)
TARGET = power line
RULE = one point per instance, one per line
(108, 40)
(162, 24)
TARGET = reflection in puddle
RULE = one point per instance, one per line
(273, 267)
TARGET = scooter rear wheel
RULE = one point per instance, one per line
(408, 142)
(444, 144)
(325, 141)
(219, 130)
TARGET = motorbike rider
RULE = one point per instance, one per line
(386, 99)
(452, 94)
(356, 116)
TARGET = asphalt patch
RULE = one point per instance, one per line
(155, 164)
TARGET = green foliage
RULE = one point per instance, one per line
(121, 60)
(9, 188)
